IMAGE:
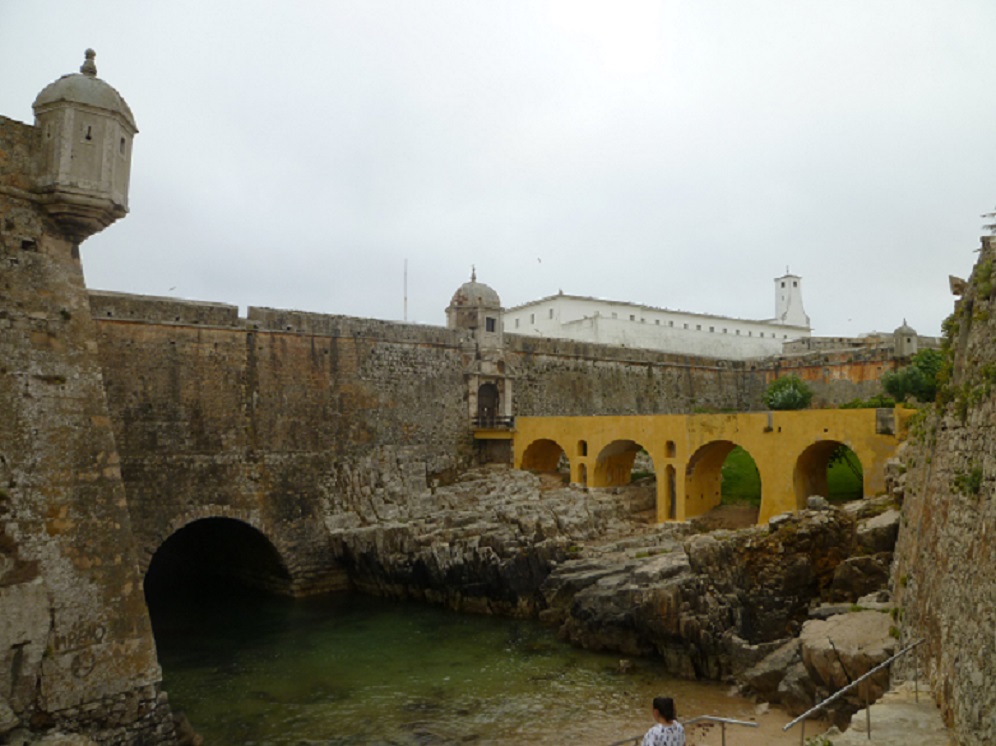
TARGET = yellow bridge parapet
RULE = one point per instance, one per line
(791, 449)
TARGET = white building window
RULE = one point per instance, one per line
(516, 323)
(551, 313)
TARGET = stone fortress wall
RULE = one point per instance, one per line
(76, 646)
(944, 574)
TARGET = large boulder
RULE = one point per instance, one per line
(765, 678)
(839, 650)
(858, 576)
(879, 532)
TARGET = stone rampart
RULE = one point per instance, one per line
(277, 428)
(835, 376)
(945, 570)
(76, 647)
(558, 377)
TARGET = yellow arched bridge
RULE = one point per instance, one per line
(792, 451)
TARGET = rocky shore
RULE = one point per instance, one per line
(790, 611)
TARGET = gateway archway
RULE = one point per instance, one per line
(213, 557)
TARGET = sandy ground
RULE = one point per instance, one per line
(728, 517)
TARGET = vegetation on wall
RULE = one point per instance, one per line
(918, 380)
(788, 392)
(879, 401)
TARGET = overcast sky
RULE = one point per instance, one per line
(678, 154)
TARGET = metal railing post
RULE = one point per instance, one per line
(916, 677)
(868, 711)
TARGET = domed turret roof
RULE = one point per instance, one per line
(85, 88)
(905, 329)
(475, 293)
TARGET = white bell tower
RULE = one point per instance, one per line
(788, 301)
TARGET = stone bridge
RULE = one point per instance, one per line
(791, 450)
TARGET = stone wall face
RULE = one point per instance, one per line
(835, 377)
(76, 647)
(944, 575)
(565, 378)
(284, 420)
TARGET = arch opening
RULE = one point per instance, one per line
(670, 492)
(721, 472)
(547, 457)
(741, 479)
(830, 469)
(622, 462)
(210, 562)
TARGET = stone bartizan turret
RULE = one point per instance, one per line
(84, 163)
(477, 307)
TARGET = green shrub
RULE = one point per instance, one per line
(788, 392)
(969, 482)
(918, 380)
(879, 401)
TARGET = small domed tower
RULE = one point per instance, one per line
(906, 341)
(84, 166)
(477, 307)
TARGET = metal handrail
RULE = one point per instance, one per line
(699, 719)
(840, 693)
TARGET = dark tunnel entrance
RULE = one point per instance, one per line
(212, 563)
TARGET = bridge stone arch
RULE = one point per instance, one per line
(614, 463)
(704, 476)
(809, 477)
(543, 454)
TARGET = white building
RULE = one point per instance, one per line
(633, 325)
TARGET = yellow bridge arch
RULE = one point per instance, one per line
(791, 451)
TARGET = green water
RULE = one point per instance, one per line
(357, 670)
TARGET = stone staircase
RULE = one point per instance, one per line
(897, 719)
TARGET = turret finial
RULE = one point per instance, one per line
(89, 67)
(473, 273)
